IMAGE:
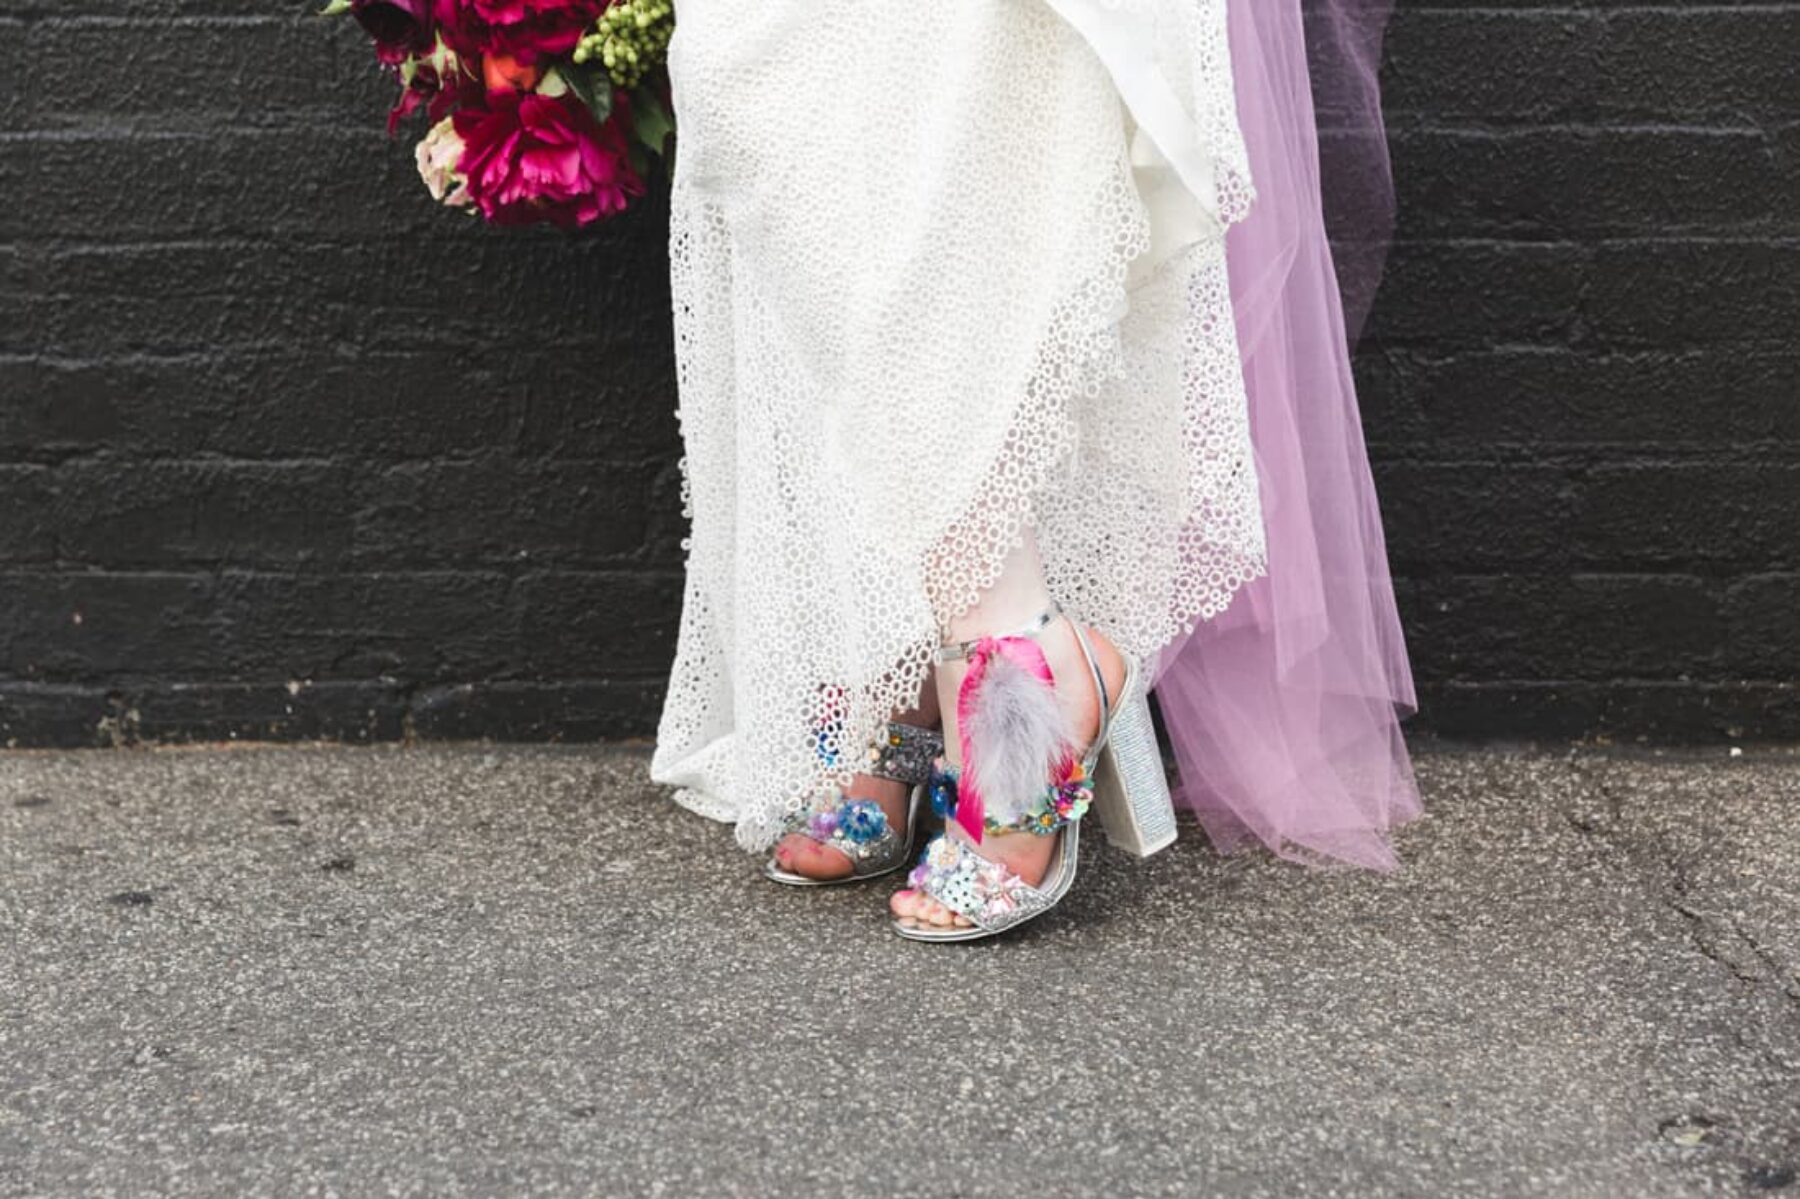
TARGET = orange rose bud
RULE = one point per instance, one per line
(503, 72)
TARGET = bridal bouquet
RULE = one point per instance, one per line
(539, 110)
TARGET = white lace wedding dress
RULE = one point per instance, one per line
(939, 274)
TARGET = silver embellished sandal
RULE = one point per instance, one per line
(858, 828)
(1120, 776)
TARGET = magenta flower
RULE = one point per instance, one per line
(400, 28)
(526, 30)
(528, 157)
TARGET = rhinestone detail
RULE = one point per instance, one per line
(983, 891)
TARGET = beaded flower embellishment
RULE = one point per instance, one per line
(965, 882)
(1056, 805)
(858, 821)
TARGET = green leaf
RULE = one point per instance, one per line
(592, 84)
(334, 8)
(554, 83)
(651, 122)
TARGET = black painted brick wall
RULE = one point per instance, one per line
(1582, 392)
(286, 451)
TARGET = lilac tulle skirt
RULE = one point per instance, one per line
(1284, 711)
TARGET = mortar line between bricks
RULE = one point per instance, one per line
(1593, 456)
(276, 572)
(1673, 684)
(1532, 239)
(1539, 350)
(1578, 8)
(1743, 127)
(56, 246)
(286, 350)
(124, 456)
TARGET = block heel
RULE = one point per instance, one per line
(1131, 789)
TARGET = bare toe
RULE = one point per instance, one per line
(938, 915)
(819, 861)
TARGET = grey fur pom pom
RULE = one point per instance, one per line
(1015, 735)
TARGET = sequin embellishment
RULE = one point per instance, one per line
(984, 891)
(1055, 806)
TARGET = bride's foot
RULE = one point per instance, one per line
(1024, 854)
(805, 855)
(864, 831)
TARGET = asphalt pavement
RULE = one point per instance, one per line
(479, 970)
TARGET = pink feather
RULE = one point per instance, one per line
(1013, 733)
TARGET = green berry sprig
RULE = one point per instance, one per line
(630, 39)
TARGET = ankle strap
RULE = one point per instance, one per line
(957, 650)
(1093, 661)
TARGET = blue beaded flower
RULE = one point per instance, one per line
(943, 789)
(861, 821)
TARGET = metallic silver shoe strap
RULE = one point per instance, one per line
(1093, 661)
(957, 650)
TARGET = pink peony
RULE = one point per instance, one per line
(529, 157)
(525, 30)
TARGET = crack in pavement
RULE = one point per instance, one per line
(1670, 875)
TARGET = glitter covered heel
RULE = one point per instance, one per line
(1131, 790)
